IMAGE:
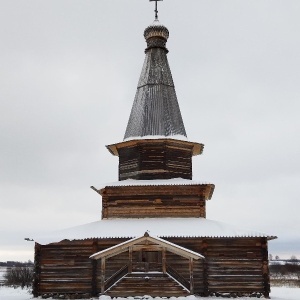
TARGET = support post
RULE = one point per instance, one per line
(130, 260)
(164, 261)
(94, 270)
(94, 278)
(102, 275)
(205, 269)
(191, 267)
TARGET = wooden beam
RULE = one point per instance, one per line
(191, 267)
(164, 261)
(130, 260)
(102, 275)
(157, 245)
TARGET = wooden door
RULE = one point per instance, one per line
(147, 261)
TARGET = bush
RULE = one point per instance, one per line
(19, 276)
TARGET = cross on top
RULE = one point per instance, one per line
(156, 11)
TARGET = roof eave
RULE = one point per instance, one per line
(197, 148)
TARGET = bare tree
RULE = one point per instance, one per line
(19, 276)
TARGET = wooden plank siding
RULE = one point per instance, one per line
(232, 265)
(166, 201)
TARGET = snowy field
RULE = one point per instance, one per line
(278, 293)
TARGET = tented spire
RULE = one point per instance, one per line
(155, 111)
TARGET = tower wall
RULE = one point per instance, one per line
(162, 201)
(159, 160)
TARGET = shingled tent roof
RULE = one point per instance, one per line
(155, 111)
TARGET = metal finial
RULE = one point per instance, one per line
(156, 11)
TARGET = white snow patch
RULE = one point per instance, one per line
(157, 137)
(158, 227)
(154, 182)
(277, 293)
(10, 293)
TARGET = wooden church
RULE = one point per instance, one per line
(153, 238)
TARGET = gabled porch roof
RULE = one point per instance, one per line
(147, 242)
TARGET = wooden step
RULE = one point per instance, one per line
(152, 284)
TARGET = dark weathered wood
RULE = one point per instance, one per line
(191, 267)
(65, 266)
(115, 277)
(37, 270)
(102, 275)
(164, 261)
(147, 284)
(155, 160)
(176, 275)
(130, 260)
(155, 201)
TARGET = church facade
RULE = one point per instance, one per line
(153, 237)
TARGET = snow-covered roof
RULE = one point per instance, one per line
(154, 182)
(158, 137)
(160, 227)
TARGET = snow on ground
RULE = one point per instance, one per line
(278, 293)
(8, 293)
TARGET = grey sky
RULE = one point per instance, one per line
(68, 76)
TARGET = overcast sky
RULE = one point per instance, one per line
(68, 76)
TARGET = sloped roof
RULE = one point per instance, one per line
(155, 182)
(155, 110)
(122, 247)
(209, 187)
(160, 227)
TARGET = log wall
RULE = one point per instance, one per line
(181, 266)
(157, 160)
(155, 201)
(236, 266)
(65, 267)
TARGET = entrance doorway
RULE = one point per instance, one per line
(147, 261)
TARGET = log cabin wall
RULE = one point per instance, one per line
(238, 266)
(157, 160)
(181, 266)
(65, 268)
(155, 201)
